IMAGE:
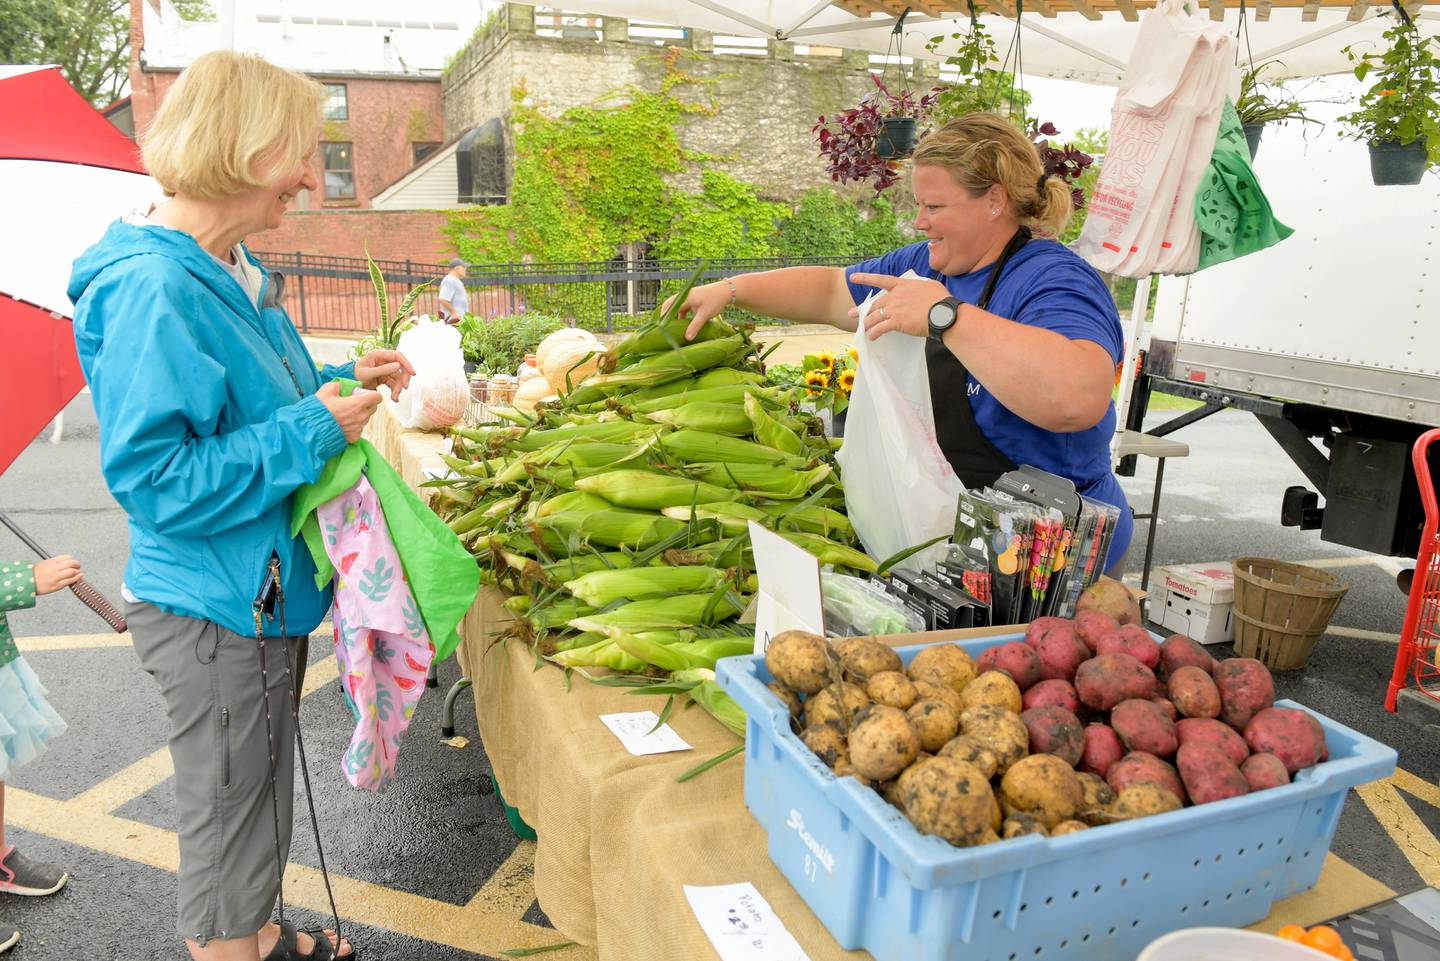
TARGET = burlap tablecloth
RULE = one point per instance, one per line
(618, 838)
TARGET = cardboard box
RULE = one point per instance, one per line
(1198, 600)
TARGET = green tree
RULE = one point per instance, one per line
(88, 39)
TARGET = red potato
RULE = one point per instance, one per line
(1104, 681)
(1102, 749)
(1054, 730)
(1194, 692)
(1043, 627)
(1246, 688)
(1181, 651)
(1057, 691)
(1061, 653)
(1143, 726)
(1264, 771)
(1208, 774)
(1137, 767)
(1092, 625)
(1204, 730)
(1294, 736)
(1134, 640)
(1168, 706)
(1014, 658)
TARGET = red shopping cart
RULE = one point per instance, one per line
(1420, 637)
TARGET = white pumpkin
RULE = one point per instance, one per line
(562, 336)
(570, 359)
(531, 393)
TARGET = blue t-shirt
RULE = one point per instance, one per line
(1045, 285)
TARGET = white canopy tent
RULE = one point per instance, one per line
(1084, 40)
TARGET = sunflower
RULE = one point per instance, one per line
(854, 354)
(847, 380)
(815, 381)
(826, 359)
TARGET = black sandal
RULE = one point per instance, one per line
(287, 947)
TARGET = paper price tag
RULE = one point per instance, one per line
(634, 731)
(741, 925)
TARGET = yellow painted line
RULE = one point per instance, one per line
(1363, 634)
(471, 927)
(1402, 824)
(1421, 789)
(70, 642)
(129, 783)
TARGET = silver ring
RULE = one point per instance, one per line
(882, 311)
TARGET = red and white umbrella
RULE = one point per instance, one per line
(65, 174)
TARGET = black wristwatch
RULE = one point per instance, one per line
(942, 316)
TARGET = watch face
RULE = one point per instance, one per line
(942, 315)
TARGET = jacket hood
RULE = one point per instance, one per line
(123, 241)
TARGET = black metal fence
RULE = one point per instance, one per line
(335, 295)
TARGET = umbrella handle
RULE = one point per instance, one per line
(96, 601)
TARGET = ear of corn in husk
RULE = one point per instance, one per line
(578, 565)
(649, 490)
(613, 528)
(773, 482)
(768, 430)
(829, 552)
(812, 519)
(696, 446)
(604, 653)
(668, 335)
(681, 610)
(681, 655)
(716, 418)
(602, 588)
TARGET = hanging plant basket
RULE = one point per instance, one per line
(1394, 164)
(1252, 136)
(897, 137)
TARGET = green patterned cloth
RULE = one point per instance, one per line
(17, 591)
(1230, 208)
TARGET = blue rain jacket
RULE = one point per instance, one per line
(208, 425)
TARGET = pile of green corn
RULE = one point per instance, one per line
(616, 516)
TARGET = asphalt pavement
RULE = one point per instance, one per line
(436, 844)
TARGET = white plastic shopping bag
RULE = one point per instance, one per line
(438, 393)
(899, 488)
(1141, 218)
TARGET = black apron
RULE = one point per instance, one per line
(976, 461)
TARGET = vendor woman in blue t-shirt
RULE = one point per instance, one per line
(1022, 336)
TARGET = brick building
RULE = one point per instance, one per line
(381, 66)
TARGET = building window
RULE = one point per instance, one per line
(337, 103)
(419, 151)
(339, 170)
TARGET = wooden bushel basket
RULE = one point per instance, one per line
(1281, 609)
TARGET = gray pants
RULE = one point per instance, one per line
(210, 678)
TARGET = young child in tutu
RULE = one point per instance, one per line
(27, 721)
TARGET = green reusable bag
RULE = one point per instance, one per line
(1230, 208)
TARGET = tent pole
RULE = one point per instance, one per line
(1078, 47)
(738, 17)
(1274, 52)
(1133, 331)
(879, 23)
(810, 14)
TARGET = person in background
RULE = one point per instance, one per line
(1021, 336)
(454, 301)
(27, 720)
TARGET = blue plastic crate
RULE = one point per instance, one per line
(1098, 895)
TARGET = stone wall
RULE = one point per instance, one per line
(767, 103)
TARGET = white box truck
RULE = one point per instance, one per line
(1331, 338)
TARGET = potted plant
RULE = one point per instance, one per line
(1398, 115)
(386, 334)
(866, 141)
(1068, 162)
(1262, 102)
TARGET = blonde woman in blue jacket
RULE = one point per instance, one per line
(212, 414)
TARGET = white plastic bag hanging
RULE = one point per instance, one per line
(899, 488)
(438, 393)
(1141, 216)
